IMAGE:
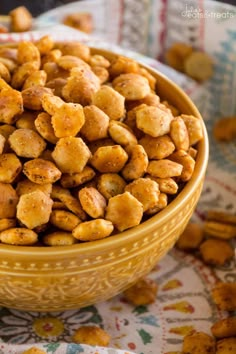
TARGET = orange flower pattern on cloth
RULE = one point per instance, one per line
(48, 327)
(182, 306)
(172, 284)
(183, 330)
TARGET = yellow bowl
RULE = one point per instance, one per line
(69, 277)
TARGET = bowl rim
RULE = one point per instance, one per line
(132, 234)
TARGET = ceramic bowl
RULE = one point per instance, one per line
(70, 277)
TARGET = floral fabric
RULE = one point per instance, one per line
(143, 30)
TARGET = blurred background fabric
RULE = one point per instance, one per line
(37, 7)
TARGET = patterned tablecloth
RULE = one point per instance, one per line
(184, 304)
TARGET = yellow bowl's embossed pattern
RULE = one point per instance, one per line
(68, 277)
